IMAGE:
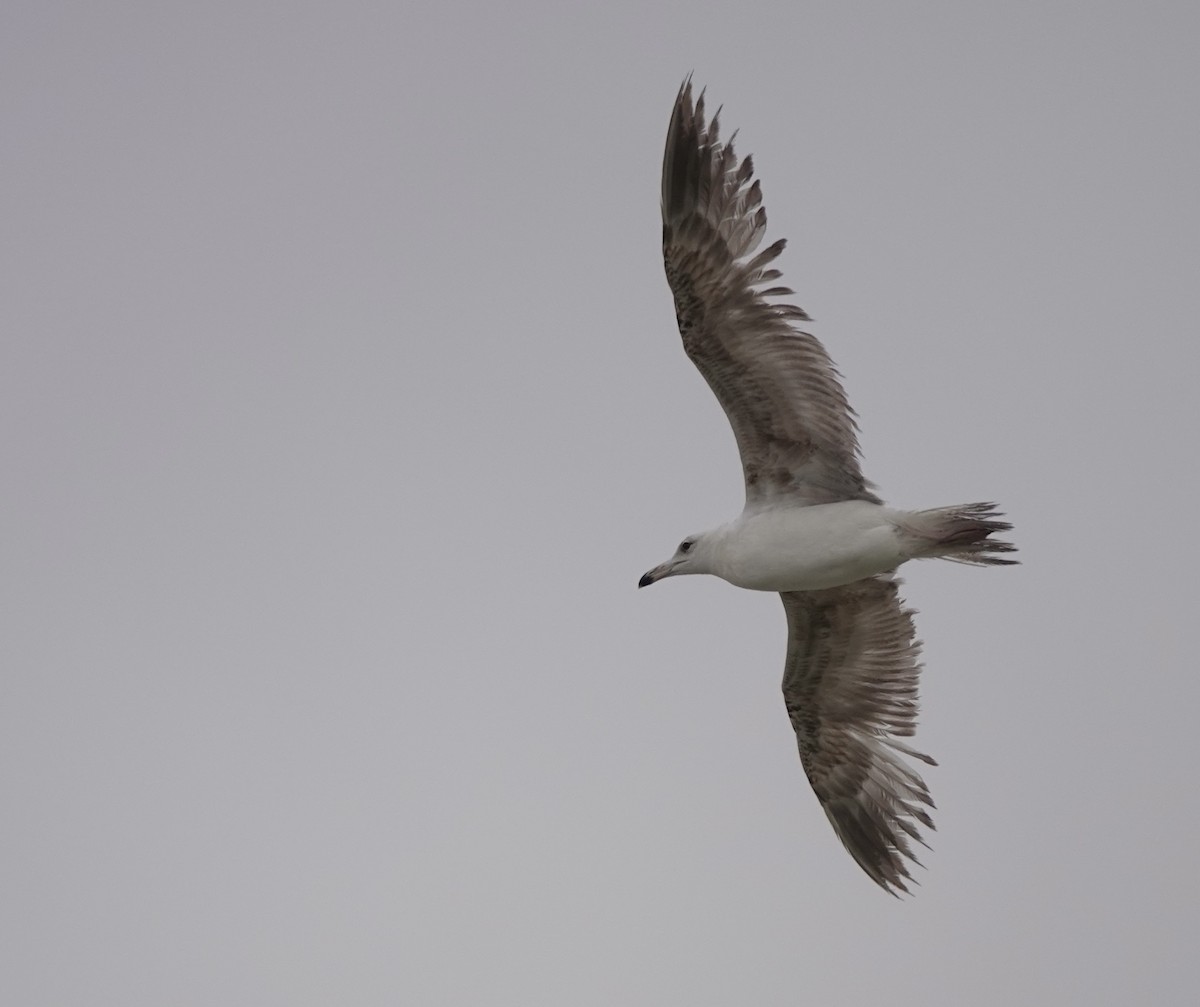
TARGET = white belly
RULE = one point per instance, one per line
(808, 548)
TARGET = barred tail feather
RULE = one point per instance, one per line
(961, 534)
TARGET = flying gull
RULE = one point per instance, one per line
(813, 528)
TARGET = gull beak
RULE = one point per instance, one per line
(658, 573)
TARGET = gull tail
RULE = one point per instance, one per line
(961, 534)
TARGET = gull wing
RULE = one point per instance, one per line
(850, 685)
(795, 430)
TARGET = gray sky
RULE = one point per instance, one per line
(342, 407)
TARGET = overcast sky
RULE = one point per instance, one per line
(342, 406)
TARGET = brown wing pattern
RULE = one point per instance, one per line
(795, 430)
(850, 685)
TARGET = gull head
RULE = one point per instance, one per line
(690, 557)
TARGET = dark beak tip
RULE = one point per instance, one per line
(646, 580)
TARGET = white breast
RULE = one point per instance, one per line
(808, 548)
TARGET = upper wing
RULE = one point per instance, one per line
(850, 685)
(794, 428)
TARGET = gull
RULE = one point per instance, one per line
(812, 528)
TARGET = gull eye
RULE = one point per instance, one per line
(686, 545)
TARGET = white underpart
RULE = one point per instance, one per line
(808, 548)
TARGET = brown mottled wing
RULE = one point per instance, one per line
(850, 685)
(794, 428)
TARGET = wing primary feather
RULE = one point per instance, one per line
(850, 686)
(795, 431)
